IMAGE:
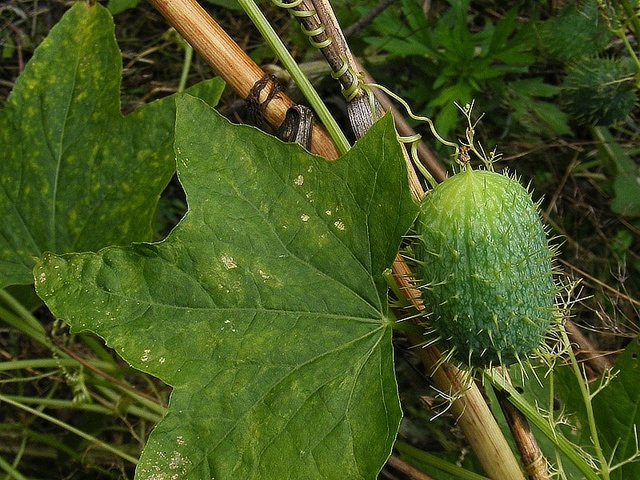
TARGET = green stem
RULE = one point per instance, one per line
(532, 414)
(88, 407)
(39, 363)
(97, 347)
(70, 428)
(149, 409)
(59, 403)
(157, 410)
(273, 40)
(22, 320)
(584, 390)
(408, 452)
(630, 51)
(11, 470)
(29, 324)
(186, 66)
(633, 17)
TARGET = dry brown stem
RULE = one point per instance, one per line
(534, 462)
(407, 469)
(231, 62)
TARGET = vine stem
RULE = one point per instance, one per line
(426, 458)
(473, 415)
(429, 159)
(407, 468)
(186, 65)
(21, 319)
(303, 83)
(535, 463)
(633, 19)
(232, 63)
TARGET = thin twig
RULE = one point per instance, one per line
(584, 274)
(585, 350)
(357, 26)
(535, 463)
(407, 469)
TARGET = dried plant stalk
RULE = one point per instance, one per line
(232, 63)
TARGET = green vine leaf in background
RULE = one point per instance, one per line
(75, 174)
(615, 401)
(617, 410)
(265, 308)
(622, 169)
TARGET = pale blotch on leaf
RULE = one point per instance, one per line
(145, 355)
(299, 180)
(178, 465)
(178, 462)
(339, 225)
(228, 262)
(304, 217)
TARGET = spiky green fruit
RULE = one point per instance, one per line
(579, 30)
(599, 91)
(486, 268)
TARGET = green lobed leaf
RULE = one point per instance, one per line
(617, 413)
(619, 166)
(265, 308)
(616, 410)
(119, 6)
(75, 174)
(626, 188)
